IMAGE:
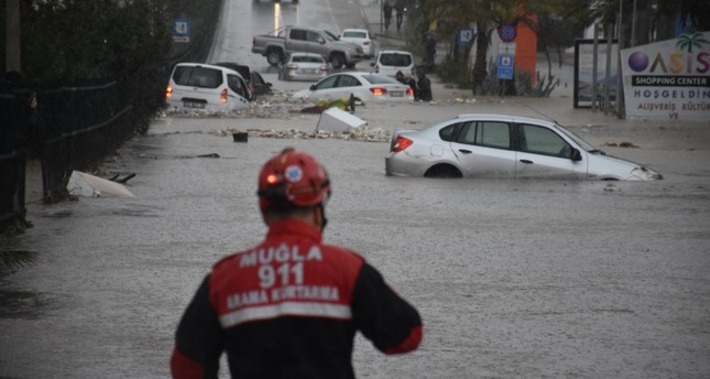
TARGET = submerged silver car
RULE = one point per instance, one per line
(304, 66)
(494, 145)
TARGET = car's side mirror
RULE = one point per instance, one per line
(312, 87)
(576, 155)
(268, 84)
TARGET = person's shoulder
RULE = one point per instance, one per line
(342, 253)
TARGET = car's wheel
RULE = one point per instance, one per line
(274, 57)
(337, 61)
(443, 171)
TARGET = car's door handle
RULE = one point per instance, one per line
(526, 161)
(463, 151)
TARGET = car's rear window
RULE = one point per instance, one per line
(395, 59)
(307, 59)
(355, 34)
(197, 76)
(380, 79)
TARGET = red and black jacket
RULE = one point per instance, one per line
(290, 308)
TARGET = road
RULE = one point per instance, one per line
(513, 278)
(242, 19)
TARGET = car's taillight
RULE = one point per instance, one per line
(323, 68)
(169, 92)
(401, 143)
(378, 91)
(410, 91)
(292, 66)
(223, 96)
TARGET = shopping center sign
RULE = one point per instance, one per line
(668, 80)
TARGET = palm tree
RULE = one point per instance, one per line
(687, 42)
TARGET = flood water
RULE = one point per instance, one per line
(513, 278)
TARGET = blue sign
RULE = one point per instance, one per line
(507, 32)
(181, 30)
(465, 36)
(506, 64)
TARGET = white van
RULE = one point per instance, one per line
(208, 87)
(388, 62)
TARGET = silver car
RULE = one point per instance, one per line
(304, 66)
(493, 145)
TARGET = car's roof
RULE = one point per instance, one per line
(304, 54)
(395, 52)
(215, 67)
(503, 117)
(355, 30)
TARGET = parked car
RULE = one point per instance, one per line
(364, 87)
(493, 145)
(388, 62)
(209, 87)
(360, 37)
(291, 39)
(256, 83)
(304, 66)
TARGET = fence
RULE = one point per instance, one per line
(74, 126)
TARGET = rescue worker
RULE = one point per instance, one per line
(423, 87)
(290, 306)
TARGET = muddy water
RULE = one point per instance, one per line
(513, 278)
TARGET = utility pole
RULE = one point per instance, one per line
(12, 33)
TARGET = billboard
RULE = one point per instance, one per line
(668, 80)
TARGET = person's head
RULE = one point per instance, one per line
(399, 75)
(421, 74)
(292, 184)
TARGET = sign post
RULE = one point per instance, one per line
(181, 30)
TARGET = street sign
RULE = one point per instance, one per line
(465, 36)
(507, 32)
(505, 66)
(181, 30)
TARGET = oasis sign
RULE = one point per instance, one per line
(668, 80)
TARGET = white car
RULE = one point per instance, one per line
(388, 62)
(360, 37)
(304, 66)
(364, 86)
(500, 146)
(208, 87)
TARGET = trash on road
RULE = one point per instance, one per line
(335, 119)
(83, 184)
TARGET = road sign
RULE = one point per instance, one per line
(506, 66)
(181, 30)
(507, 32)
(465, 36)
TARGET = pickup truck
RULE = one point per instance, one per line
(291, 39)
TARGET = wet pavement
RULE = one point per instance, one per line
(513, 278)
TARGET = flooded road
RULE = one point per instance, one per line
(513, 278)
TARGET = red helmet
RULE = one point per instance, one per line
(294, 178)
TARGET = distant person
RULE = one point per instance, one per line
(408, 81)
(430, 46)
(387, 10)
(423, 87)
(400, 77)
(290, 306)
(399, 9)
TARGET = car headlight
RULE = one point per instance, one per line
(646, 174)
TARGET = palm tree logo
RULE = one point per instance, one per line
(687, 42)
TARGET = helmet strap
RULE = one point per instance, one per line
(323, 219)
